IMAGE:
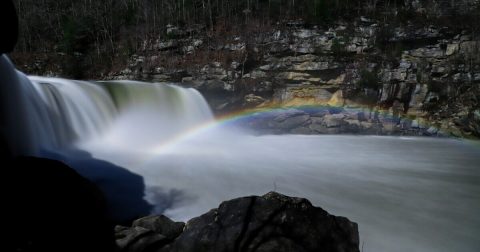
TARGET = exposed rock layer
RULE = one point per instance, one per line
(429, 72)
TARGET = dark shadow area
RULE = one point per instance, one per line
(165, 199)
(124, 190)
(19, 132)
(24, 130)
(47, 206)
(8, 26)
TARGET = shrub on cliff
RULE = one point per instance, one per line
(369, 80)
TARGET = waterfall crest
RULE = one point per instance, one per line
(41, 112)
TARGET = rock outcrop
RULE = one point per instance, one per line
(272, 222)
(430, 72)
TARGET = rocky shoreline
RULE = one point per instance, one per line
(335, 120)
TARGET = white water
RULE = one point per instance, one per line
(406, 194)
(50, 113)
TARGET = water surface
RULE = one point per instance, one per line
(406, 194)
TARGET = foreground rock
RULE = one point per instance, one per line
(272, 222)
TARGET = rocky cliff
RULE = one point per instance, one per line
(430, 73)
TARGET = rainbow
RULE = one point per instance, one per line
(250, 114)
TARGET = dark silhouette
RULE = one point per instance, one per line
(123, 190)
(50, 207)
(9, 26)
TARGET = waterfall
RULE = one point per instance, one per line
(52, 113)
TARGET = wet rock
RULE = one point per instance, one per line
(148, 234)
(252, 100)
(366, 125)
(161, 225)
(138, 239)
(293, 122)
(351, 127)
(332, 121)
(288, 113)
(361, 116)
(319, 128)
(273, 222)
(432, 130)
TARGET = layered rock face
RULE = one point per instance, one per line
(272, 222)
(422, 71)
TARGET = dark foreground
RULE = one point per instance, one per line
(52, 208)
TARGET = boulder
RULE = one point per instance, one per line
(432, 130)
(332, 121)
(288, 113)
(252, 100)
(161, 225)
(319, 128)
(138, 239)
(272, 222)
(293, 122)
(148, 234)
